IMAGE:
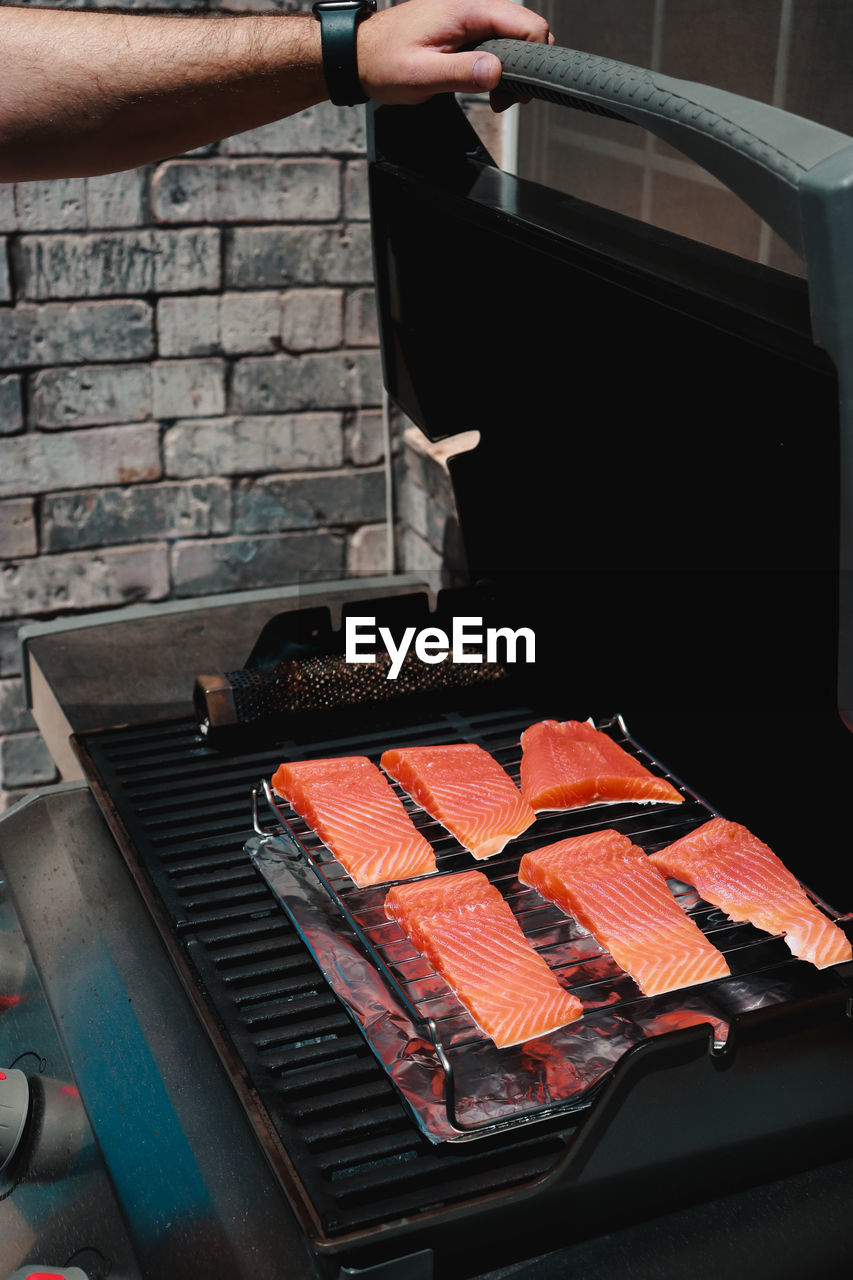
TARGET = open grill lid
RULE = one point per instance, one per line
(648, 408)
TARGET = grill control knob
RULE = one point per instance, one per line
(14, 1109)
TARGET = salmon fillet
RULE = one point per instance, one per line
(466, 790)
(610, 886)
(567, 764)
(733, 870)
(468, 933)
(357, 814)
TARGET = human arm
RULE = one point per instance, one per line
(89, 92)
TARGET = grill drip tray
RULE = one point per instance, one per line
(455, 1083)
(337, 1130)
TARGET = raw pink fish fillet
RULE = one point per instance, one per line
(567, 764)
(610, 886)
(356, 812)
(733, 870)
(468, 933)
(466, 790)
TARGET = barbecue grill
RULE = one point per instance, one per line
(655, 494)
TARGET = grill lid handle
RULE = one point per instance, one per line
(761, 152)
(796, 174)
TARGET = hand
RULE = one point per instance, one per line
(414, 50)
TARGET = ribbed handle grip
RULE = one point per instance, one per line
(759, 151)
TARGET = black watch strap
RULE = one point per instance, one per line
(338, 22)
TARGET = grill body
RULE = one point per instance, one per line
(246, 1126)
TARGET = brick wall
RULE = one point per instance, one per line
(190, 389)
(190, 385)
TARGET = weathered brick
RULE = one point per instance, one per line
(25, 761)
(116, 199)
(240, 564)
(361, 327)
(11, 408)
(59, 333)
(17, 528)
(11, 663)
(58, 204)
(11, 796)
(116, 263)
(5, 283)
(366, 438)
(259, 6)
(417, 555)
(92, 395)
(368, 551)
(244, 446)
(188, 326)
(144, 513)
(324, 128)
(84, 580)
(414, 503)
(8, 214)
(74, 459)
(135, 4)
(250, 322)
(188, 388)
(270, 384)
(356, 196)
(278, 503)
(246, 191)
(411, 462)
(272, 257)
(312, 319)
(14, 716)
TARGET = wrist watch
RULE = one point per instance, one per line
(338, 22)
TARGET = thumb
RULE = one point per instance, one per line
(486, 71)
(471, 72)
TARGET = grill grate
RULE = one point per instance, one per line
(472, 1089)
(348, 1150)
(332, 1124)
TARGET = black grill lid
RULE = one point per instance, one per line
(649, 409)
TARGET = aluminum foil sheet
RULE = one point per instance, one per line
(454, 1081)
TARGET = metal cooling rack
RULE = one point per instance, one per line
(469, 1088)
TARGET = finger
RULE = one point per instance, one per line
(500, 99)
(511, 21)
